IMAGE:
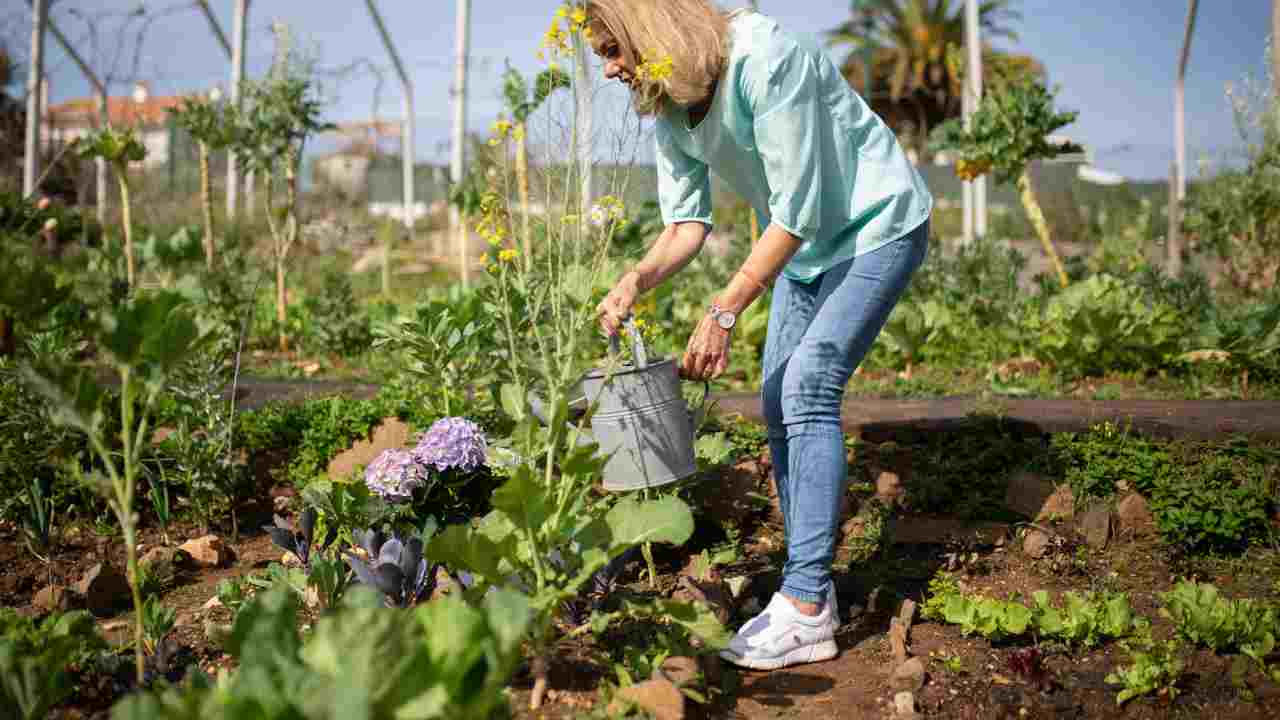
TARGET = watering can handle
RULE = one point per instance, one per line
(639, 355)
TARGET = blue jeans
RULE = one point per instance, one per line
(818, 334)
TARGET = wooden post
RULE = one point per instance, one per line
(35, 113)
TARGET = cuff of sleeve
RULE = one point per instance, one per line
(804, 237)
(704, 220)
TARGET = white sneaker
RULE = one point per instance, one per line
(781, 636)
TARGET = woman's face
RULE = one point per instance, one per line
(615, 64)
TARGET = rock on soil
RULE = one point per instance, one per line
(904, 706)
(660, 697)
(889, 488)
(54, 598)
(908, 676)
(1035, 544)
(1095, 526)
(392, 433)
(1135, 516)
(209, 551)
(105, 589)
(678, 670)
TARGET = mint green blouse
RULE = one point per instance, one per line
(789, 135)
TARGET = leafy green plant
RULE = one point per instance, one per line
(440, 660)
(912, 326)
(1009, 130)
(1094, 463)
(143, 341)
(1158, 669)
(38, 527)
(1084, 619)
(1211, 506)
(1105, 324)
(991, 618)
(337, 325)
(1202, 616)
(35, 656)
(157, 622)
(119, 147)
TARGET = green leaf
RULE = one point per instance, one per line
(463, 548)
(667, 519)
(523, 499)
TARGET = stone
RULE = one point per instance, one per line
(1134, 516)
(898, 641)
(679, 670)
(907, 613)
(908, 675)
(172, 556)
(1027, 494)
(1061, 505)
(209, 551)
(105, 589)
(54, 598)
(391, 433)
(1036, 543)
(212, 603)
(904, 704)
(660, 698)
(1095, 526)
(889, 488)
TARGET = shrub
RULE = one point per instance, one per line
(1105, 324)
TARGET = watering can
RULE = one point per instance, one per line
(641, 419)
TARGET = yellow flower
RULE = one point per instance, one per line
(501, 127)
(507, 255)
(579, 18)
(484, 260)
(655, 71)
(563, 11)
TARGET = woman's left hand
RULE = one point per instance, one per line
(707, 354)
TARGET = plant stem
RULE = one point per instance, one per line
(1027, 194)
(124, 512)
(539, 667)
(522, 185)
(122, 172)
(206, 204)
(282, 299)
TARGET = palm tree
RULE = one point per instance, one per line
(915, 82)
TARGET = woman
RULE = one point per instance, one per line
(846, 217)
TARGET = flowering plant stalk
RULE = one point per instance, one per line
(548, 532)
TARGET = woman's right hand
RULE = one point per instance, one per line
(617, 304)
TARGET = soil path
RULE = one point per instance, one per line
(880, 419)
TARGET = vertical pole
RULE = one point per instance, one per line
(582, 85)
(973, 39)
(462, 43)
(100, 163)
(237, 78)
(35, 113)
(1178, 189)
(966, 186)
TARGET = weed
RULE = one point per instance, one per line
(1156, 669)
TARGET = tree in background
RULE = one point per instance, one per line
(1010, 130)
(901, 47)
(271, 130)
(212, 130)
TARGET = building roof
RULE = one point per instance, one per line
(83, 112)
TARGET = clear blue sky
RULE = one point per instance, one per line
(1113, 59)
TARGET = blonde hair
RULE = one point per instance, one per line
(691, 37)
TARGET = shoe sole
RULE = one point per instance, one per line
(817, 652)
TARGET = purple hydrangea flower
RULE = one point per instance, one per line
(450, 443)
(394, 475)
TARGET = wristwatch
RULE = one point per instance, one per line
(726, 319)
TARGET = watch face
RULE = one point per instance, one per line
(726, 320)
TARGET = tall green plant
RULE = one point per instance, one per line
(549, 531)
(1010, 130)
(143, 341)
(280, 114)
(211, 128)
(119, 147)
